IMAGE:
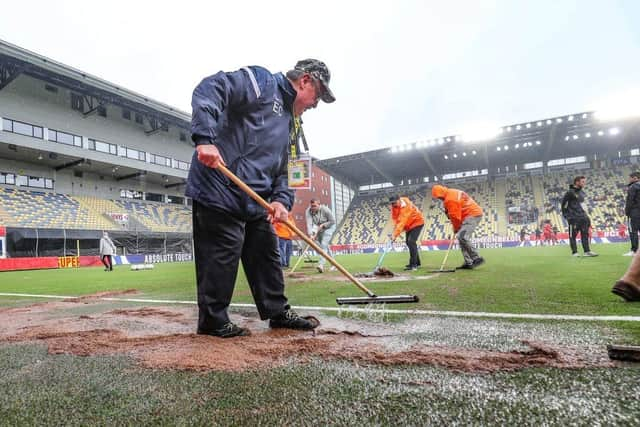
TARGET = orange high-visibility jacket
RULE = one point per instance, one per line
(458, 204)
(406, 216)
(282, 231)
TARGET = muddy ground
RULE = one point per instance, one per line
(163, 337)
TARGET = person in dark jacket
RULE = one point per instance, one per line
(576, 216)
(249, 121)
(632, 210)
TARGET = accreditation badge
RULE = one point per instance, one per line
(300, 172)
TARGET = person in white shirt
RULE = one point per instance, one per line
(107, 250)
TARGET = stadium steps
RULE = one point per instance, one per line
(501, 208)
(386, 230)
(538, 194)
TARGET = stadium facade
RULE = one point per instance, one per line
(79, 155)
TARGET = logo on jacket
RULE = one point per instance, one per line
(277, 107)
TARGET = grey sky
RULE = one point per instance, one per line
(402, 70)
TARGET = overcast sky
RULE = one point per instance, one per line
(401, 70)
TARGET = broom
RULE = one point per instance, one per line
(371, 298)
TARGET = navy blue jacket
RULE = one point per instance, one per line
(247, 115)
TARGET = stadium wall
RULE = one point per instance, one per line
(26, 100)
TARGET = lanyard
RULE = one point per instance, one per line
(295, 134)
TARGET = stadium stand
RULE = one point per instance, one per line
(367, 219)
(158, 216)
(34, 209)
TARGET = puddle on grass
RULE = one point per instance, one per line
(163, 337)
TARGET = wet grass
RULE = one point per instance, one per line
(37, 389)
(544, 280)
(41, 389)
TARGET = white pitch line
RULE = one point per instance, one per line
(479, 314)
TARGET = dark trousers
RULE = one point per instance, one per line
(107, 261)
(580, 225)
(634, 227)
(220, 241)
(411, 239)
(285, 247)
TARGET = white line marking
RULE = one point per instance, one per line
(369, 310)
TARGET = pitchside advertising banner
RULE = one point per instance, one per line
(153, 258)
(68, 262)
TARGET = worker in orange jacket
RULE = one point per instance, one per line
(408, 218)
(465, 215)
(285, 245)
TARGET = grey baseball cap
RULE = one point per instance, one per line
(319, 71)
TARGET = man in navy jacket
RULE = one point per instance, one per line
(249, 121)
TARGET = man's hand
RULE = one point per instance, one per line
(209, 155)
(278, 213)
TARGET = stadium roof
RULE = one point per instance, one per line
(581, 134)
(15, 61)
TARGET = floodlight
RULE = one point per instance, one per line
(498, 149)
(473, 152)
(570, 118)
(446, 157)
(517, 146)
(549, 122)
(539, 124)
(566, 138)
(614, 131)
(518, 127)
(464, 154)
(509, 129)
(455, 156)
(585, 115)
(575, 137)
(587, 135)
(538, 143)
(600, 132)
(506, 147)
(620, 105)
(528, 125)
(559, 120)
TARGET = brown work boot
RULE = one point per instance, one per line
(628, 291)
